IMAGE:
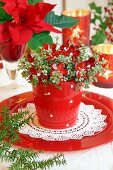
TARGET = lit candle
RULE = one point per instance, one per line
(106, 79)
(81, 30)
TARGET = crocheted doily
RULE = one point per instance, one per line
(89, 122)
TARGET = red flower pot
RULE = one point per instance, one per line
(57, 109)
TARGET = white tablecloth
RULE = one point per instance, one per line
(97, 158)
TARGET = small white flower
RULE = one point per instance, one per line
(88, 51)
(38, 74)
(65, 49)
(71, 54)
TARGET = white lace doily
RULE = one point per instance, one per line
(89, 122)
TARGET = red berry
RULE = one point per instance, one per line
(76, 53)
(33, 71)
(59, 53)
(1, 65)
(30, 77)
(81, 65)
(71, 48)
(66, 53)
(61, 65)
(54, 54)
(78, 74)
(53, 47)
(91, 61)
(30, 58)
(52, 73)
(45, 46)
(65, 72)
(62, 47)
(42, 76)
(49, 57)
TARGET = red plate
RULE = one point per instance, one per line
(99, 101)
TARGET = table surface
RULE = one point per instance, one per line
(97, 158)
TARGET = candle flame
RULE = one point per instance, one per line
(77, 32)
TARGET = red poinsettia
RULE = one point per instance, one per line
(24, 25)
(4, 32)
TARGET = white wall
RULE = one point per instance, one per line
(72, 4)
(58, 8)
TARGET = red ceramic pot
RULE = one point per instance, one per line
(57, 109)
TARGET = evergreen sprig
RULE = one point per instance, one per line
(21, 159)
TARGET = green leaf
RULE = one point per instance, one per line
(34, 1)
(1, 4)
(99, 37)
(39, 39)
(93, 6)
(96, 17)
(60, 21)
(4, 16)
(103, 25)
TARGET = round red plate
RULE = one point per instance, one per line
(99, 102)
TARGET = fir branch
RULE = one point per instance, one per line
(21, 159)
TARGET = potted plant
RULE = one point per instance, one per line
(57, 74)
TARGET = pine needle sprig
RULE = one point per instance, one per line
(25, 161)
(11, 123)
(21, 159)
(56, 160)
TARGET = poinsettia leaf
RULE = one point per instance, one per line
(4, 16)
(1, 4)
(38, 40)
(60, 21)
(34, 1)
(99, 37)
(93, 6)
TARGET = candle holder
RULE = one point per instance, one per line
(81, 30)
(106, 79)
